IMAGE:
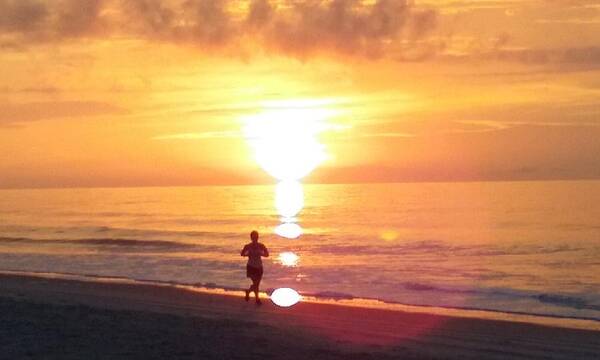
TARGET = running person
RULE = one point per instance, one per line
(254, 269)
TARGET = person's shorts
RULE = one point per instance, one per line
(254, 272)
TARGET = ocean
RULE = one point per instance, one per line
(519, 247)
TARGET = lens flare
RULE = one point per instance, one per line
(285, 297)
(389, 235)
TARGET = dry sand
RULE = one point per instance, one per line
(68, 319)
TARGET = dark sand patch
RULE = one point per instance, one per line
(65, 319)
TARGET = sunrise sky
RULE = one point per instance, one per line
(150, 92)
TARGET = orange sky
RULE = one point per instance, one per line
(117, 93)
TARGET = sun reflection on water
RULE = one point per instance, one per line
(289, 201)
(285, 297)
(284, 137)
(289, 259)
(289, 198)
(288, 230)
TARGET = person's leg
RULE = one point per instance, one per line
(248, 291)
(250, 275)
(255, 285)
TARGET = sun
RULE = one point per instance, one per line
(284, 137)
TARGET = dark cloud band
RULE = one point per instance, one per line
(297, 28)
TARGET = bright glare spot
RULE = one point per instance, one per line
(288, 258)
(389, 235)
(289, 198)
(285, 297)
(284, 137)
(288, 230)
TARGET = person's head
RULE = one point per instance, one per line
(254, 236)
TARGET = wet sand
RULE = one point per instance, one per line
(69, 319)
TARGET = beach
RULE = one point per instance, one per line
(45, 317)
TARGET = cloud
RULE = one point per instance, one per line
(298, 28)
(499, 49)
(581, 56)
(46, 90)
(200, 22)
(200, 135)
(346, 26)
(397, 29)
(77, 17)
(294, 28)
(23, 16)
(24, 22)
(12, 113)
(452, 7)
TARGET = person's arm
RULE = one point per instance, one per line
(244, 251)
(265, 251)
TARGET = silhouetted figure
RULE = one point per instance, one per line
(254, 269)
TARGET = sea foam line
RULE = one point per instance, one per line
(473, 313)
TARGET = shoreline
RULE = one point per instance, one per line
(200, 320)
(469, 313)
